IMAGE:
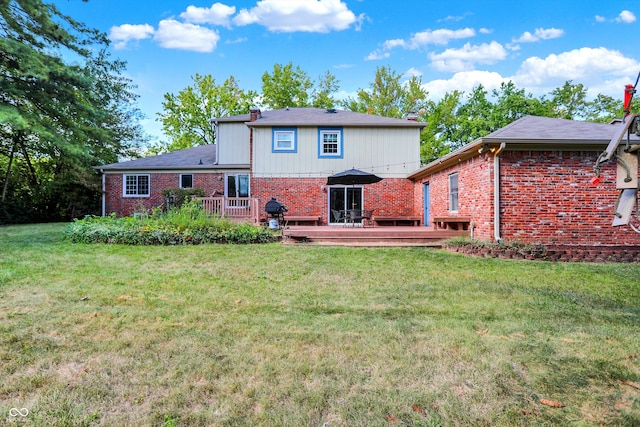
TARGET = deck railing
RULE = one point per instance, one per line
(235, 208)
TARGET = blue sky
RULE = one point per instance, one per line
(451, 45)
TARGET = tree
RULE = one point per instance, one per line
(512, 104)
(187, 118)
(569, 101)
(474, 118)
(286, 87)
(389, 97)
(58, 118)
(441, 126)
(322, 94)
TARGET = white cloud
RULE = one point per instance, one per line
(237, 41)
(600, 18)
(539, 34)
(315, 16)
(438, 37)
(377, 55)
(390, 44)
(485, 31)
(626, 17)
(217, 14)
(413, 72)
(122, 34)
(464, 81)
(172, 34)
(465, 58)
(583, 65)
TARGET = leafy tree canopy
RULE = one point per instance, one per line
(187, 118)
(58, 117)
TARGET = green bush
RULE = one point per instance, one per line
(187, 225)
(176, 197)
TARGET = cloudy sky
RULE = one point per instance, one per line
(452, 45)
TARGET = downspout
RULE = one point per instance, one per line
(216, 139)
(104, 192)
(496, 192)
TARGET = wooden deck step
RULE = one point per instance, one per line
(374, 236)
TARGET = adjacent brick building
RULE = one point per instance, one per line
(530, 182)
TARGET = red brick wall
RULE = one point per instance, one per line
(545, 197)
(475, 193)
(305, 196)
(124, 206)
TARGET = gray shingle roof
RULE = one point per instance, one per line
(200, 157)
(320, 117)
(545, 129)
(532, 132)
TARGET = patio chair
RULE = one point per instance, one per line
(338, 216)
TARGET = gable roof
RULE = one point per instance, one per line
(319, 117)
(532, 133)
(200, 157)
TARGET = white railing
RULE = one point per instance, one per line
(236, 208)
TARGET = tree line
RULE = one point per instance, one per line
(451, 122)
(61, 117)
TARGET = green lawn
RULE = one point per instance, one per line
(271, 335)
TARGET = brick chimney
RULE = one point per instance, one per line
(254, 114)
(412, 116)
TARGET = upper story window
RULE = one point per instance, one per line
(453, 192)
(135, 185)
(330, 143)
(186, 181)
(284, 140)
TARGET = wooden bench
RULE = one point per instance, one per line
(396, 220)
(302, 219)
(451, 222)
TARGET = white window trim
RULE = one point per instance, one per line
(294, 143)
(124, 185)
(457, 192)
(321, 152)
(183, 174)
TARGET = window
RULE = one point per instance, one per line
(453, 192)
(237, 185)
(136, 185)
(284, 140)
(330, 143)
(186, 181)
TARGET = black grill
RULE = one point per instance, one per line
(274, 208)
(275, 213)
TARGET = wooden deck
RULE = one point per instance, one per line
(367, 236)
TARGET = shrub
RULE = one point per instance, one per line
(176, 197)
(187, 225)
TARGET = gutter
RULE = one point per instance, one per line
(496, 192)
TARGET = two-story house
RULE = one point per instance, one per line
(286, 154)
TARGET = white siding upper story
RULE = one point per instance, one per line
(387, 152)
(233, 144)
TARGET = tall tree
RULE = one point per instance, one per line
(322, 96)
(287, 86)
(474, 118)
(569, 101)
(187, 118)
(441, 126)
(58, 120)
(387, 96)
(511, 103)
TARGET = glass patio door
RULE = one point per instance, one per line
(343, 198)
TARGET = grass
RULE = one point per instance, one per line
(272, 335)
